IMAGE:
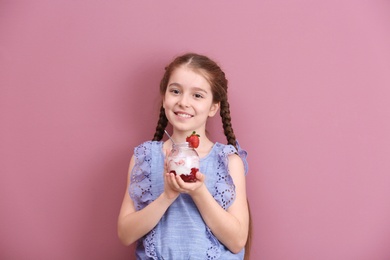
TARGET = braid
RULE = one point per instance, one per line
(161, 125)
(226, 122)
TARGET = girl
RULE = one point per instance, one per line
(173, 219)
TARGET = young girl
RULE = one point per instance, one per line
(173, 219)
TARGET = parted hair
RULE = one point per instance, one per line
(219, 85)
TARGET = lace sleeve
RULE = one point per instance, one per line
(140, 179)
(225, 192)
(243, 154)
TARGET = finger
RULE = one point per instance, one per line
(165, 161)
(166, 153)
(177, 183)
(166, 176)
(199, 176)
(182, 185)
(172, 183)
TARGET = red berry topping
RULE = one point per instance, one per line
(188, 178)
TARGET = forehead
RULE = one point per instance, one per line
(188, 77)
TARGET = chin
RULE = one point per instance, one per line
(182, 129)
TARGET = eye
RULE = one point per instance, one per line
(175, 91)
(197, 95)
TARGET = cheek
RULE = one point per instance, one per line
(168, 103)
(165, 101)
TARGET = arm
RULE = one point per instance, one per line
(231, 226)
(133, 224)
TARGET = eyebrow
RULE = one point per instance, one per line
(173, 84)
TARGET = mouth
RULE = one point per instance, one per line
(183, 115)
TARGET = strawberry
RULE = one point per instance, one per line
(188, 178)
(193, 139)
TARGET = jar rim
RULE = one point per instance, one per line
(181, 144)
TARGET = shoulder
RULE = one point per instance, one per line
(147, 146)
(234, 157)
(146, 150)
(236, 167)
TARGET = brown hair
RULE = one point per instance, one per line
(219, 84)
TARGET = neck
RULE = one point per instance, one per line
(204, 144)
(180, 136)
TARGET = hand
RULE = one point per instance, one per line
(168, 190)
(176, 183)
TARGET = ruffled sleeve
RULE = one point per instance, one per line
(140, 188)
(243, 154)
(224, 192)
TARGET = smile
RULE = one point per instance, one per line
(183, 115)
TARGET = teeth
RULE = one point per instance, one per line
(184, 115)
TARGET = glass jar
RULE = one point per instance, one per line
(184, 161)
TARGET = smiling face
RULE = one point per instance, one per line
(188, 101)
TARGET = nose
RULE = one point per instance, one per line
(183, 101)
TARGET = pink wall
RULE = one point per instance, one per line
(309, 90)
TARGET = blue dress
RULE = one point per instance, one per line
(181, 233)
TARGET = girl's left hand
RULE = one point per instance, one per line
(177, 184)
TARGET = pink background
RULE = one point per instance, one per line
(309, 93)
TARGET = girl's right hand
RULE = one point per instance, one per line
(168, 178)
(168, 187)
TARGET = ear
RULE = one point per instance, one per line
(214, 109)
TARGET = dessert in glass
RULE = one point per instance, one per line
(183, 160)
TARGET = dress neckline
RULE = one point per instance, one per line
(209, 153)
